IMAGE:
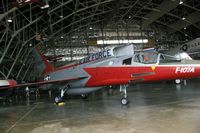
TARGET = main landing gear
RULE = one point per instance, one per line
(124, 100)
(59, 99)
(84, 96)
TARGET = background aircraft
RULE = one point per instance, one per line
(115, 66)
(191, 47)
(9, 84)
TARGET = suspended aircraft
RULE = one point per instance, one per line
(115, 66)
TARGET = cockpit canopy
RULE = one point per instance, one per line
(154, 58)
(150, 58)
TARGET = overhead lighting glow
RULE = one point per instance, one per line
(9, 20)
(180, 2)
(90, 28)
(122, 41)
(27, 1)
(45, 6)
(185, 28)
(183, 18)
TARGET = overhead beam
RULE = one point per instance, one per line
(15, 34)
(190, 19)
(82, 10)
(115, 9)
(163, 8)
(2, 16)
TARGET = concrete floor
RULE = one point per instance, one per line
(154, 108)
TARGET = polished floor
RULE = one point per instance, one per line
(153, 108)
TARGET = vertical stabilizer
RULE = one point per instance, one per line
(43, 65)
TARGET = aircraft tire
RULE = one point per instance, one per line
(84, 96)
(58, 99)
(177, 81)
(124, 101)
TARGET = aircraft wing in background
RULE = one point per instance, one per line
(41, 83)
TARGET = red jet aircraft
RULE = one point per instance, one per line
(115, 66)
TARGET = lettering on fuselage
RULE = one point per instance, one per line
(184, 70)
(96, 56)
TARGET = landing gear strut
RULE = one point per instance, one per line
(124, 100)
(59, 99)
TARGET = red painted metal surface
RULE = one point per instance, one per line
(12, 83)
(48, 66)
(101, 76)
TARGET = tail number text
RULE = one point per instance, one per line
(184, 70)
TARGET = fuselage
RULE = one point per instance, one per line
(102, 76)
(127, 69)
(191, 47)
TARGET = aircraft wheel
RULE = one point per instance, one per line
(58, 99)
(124, 101)
(177, 81)
(84, 96)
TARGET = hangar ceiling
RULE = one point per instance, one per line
(73, 27)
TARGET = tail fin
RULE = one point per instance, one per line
(43, 65)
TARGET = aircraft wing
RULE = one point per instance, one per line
(43, 82)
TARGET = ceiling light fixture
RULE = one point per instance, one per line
(45, 6)
(180, 2)
(27, 1)
(10, 20)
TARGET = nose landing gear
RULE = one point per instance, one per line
(124, 100)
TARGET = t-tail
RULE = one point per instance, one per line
(43, 65)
